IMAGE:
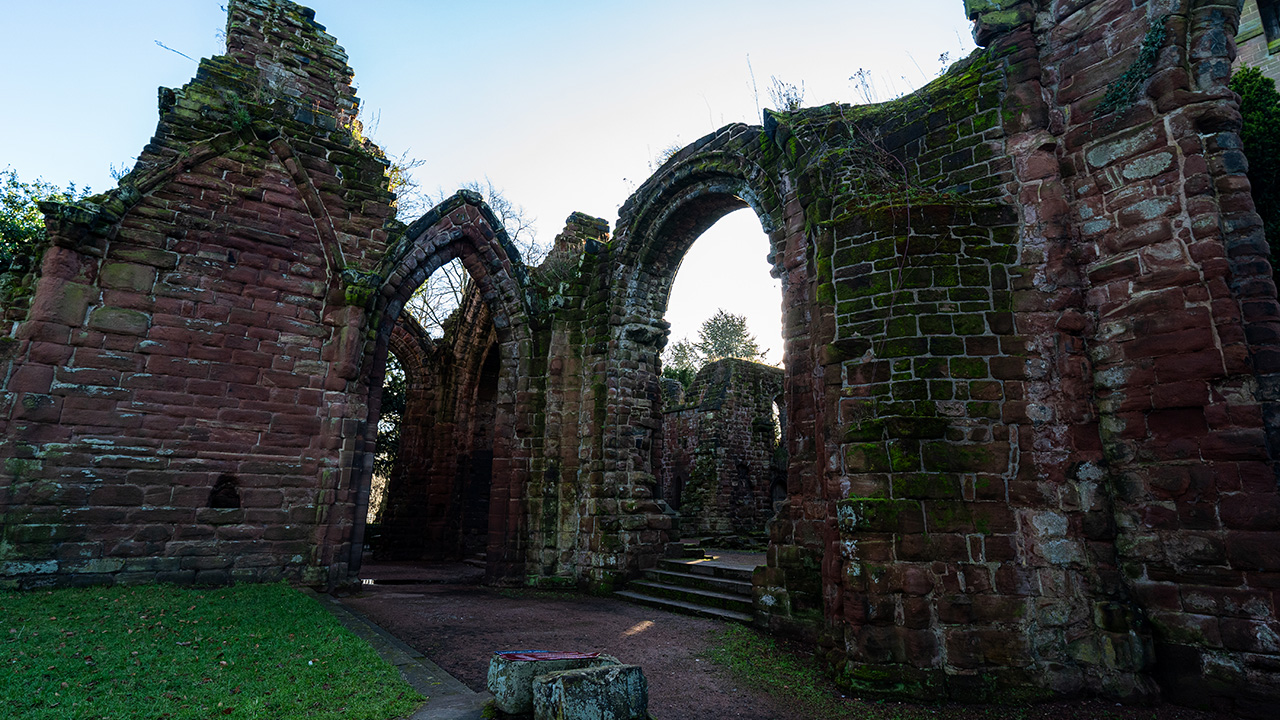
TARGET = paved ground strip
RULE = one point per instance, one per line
(447, 697)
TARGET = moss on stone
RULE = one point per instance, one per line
(904, 455)
(963, 367)
(858, 515)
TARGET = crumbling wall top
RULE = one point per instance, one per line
(714, 380)
(294, 55)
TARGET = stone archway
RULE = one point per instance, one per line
(416, 354)
(439, 486)
(1031, 376)
(463, 228)
(710, 178)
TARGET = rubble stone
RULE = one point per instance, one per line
(512, 681)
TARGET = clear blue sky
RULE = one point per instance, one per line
(562, 105)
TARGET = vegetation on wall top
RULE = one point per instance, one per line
(723, 335)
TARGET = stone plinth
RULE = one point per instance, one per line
(512, 674)
(611, 692)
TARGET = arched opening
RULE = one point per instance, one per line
(658, 226)
(439, 505)
(699, 186)
(720, 433)
(460, 464)
(437, 502)
(409, 388)
(439, 297)
(390, 427)
(778, 462)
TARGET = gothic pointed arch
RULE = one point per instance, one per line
(464, 228)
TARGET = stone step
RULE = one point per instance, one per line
(706, 598)
(704, 567)
(684, 608)
(705, 582)
(691, 549)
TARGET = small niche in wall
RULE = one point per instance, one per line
(225, 492)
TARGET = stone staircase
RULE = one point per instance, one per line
(694, 586)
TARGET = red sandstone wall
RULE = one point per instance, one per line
(1150, 288)
(1031, 392)
(563, 516)
(191, 330)
(1037, 431)
(718, 450)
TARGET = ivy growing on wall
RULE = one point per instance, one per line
(1121, 93)
(1260, 106)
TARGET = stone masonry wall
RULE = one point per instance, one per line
(911, 255)
(1030, 359)
(571, 527)
(718, 450)
(175, 406)
(1177, 280)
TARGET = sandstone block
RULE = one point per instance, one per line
(119, 320)
(66, 305)
(127, 276)
(511, 674)
(610, 692)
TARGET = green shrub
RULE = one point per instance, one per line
(22, 233)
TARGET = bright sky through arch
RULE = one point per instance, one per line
(727, 268)
(565, 106)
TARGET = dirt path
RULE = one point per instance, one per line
(460, 625)
(445, 613)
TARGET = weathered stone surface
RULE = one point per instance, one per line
(612, 692)
(512, 680)
(1030, 384)
(723, 469)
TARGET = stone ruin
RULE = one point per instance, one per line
(437, 498)
(723, 467)
(1030, 361)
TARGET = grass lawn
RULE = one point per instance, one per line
(248, 651)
